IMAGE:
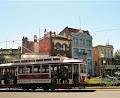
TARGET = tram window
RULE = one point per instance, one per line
(82, 69)
(28, 69)
(70, 72)
(16, 61)
(31, 60)
(36, 69)
(21, 70)
(75, 67)
(67, 71)
(24, 61)
(45, 69)
(56, 58)
(39, 60)
(47, 59)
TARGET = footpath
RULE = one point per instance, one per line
(110, 88)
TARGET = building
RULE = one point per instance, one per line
(30, 46)
(55, 45)
(81, 46)
(51, 43)
(102, 55)
(7, 55)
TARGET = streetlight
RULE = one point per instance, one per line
(103, 64)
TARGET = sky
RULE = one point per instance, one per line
(20, 18)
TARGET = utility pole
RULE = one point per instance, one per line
(6, 43)
(79, 22)
(39, 41)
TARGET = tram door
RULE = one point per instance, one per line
(75, 73)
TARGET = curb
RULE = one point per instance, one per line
(104, 89)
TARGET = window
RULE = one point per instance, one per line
(76, 42)
(83, 42)
(75, 52)
(28, 69)
(89, 43)
(89, 62)
(58, 46)
(70, 72)
(64, 47)
(82, 51)
(111, 53)
(89, 52)
(45, 68)
(21, 70)
(36, 69)
(82, 68)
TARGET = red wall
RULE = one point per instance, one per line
(45, 45)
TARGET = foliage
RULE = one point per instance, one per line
(117, 57)
(95, 80)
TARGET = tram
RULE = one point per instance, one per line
(45, 73)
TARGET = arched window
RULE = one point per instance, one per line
(58, 46)
(64, 47)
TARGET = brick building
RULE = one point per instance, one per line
(55, 45)
(30, 46)
(102, 55)
(52, 44)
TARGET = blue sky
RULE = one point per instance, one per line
(24, 18)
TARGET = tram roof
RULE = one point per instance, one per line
(6, 64)
(49, 60)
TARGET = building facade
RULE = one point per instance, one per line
(55, 44)
(81, 46)
(51, 43)
(30, 46)
(7, 55)
(102, 55)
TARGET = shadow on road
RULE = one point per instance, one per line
(47, 91)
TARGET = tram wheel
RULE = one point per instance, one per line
(45, 88)
(52, 88)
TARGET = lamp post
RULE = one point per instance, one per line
(103, 64)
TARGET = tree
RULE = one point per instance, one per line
(116, 59)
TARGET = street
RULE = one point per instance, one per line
(78, 94)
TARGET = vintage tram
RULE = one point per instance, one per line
(45, 73)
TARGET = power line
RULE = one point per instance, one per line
(9, 41)
(24, 47)
(107, 30)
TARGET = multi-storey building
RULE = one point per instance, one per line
(81, 46)
(55, 45)
(52, 44)
(102, 56)
(7, 55)
(30, 46)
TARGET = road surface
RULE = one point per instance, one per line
(78, 94)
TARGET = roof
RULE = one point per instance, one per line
(70, 30)
(46, 60)
(105, 46)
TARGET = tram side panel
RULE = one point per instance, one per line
(8, 76)
(34, 79)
